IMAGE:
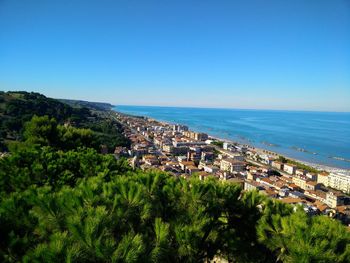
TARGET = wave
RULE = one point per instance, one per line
(340, 158)
(303, 150)
(270, 144)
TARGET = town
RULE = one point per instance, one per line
(177, 150)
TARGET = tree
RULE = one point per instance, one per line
(41, 131)
(81, 206)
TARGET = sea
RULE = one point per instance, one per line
(313, 137)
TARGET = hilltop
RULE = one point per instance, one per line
(87, 104)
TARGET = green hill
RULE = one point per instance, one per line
(18, 107)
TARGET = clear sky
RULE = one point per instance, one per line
(288, 54)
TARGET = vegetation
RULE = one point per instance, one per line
(298, 165)
(17, 108)
(60, 203)
(87, 104)
(218, 143)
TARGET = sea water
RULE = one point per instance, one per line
(315, 137)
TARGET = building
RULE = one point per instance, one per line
(289, 168)
(277, 165)
(231, 165)
(334, 199)
(312, 186)
(150, 159)
(179, 128)
(139, 150)
(207, 156)
(225, 145)
(312, 176)
(193, 156)
(198, 136)
(252, 176)
(252, 185)
(210, 168)
(185, 164)
(339, 181)
(170, 149)
(230, 154)
(191, 169)
(300, 172)
(300, 181)
(322, 178)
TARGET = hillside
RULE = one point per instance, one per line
(18, 107)
(87, 104)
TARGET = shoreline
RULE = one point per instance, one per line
(318, 166)
(321, 167)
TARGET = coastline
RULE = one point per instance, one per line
(318, 166)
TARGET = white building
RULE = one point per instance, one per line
(289, 168)
(322, 178)
(225, 145)
(339, 181)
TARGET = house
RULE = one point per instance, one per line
(120, 152)
(182, 158)
(289, 168)
(139, 150)
(168, 148)
(207, 156)
(193, 156)
(334, 199)
(150, 159)
(300, 172)
(316, 194)
(270, 192)
(252, 176)
(231, 165)
(198, 136)
(321, 206)
(265, 181)
(235, 156)
(283, 192)
(300, 181)
(296, 194)
(225, 145)
(277, 165)
(252, 185)
(322, 178)
(339, 181)
(312, 176)
(292, 200)
(185, 164)
(266, 159)
(210, 168)
(312, 186)
(191, 169)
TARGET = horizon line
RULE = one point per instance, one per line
(229, 108)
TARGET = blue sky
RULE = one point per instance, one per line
(288, 54)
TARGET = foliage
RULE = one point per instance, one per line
(218, 143)
(81, 206)
(298, 165)
(17, 108)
